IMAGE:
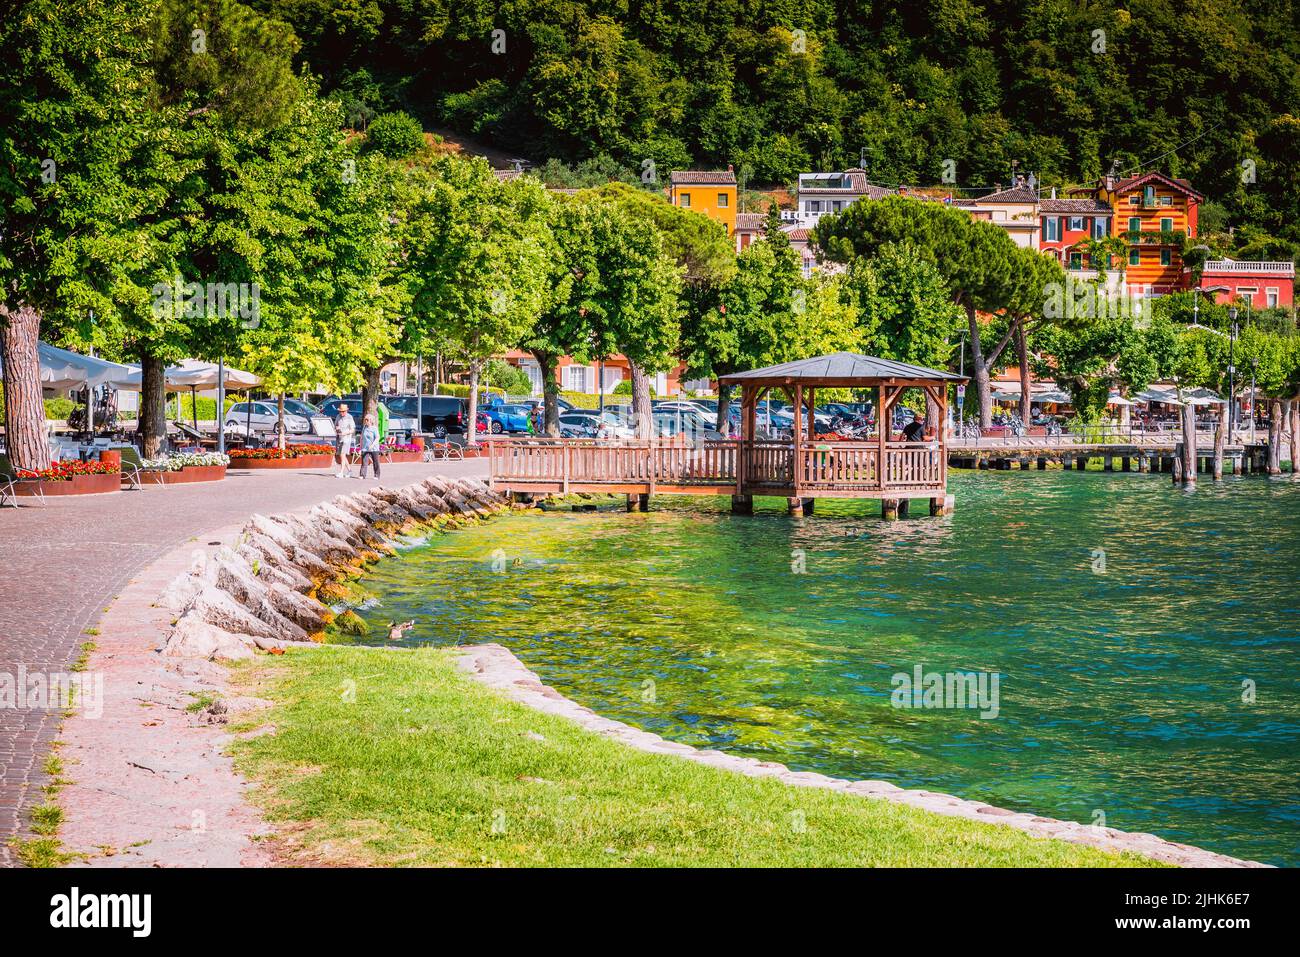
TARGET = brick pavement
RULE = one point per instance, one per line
(61, 566)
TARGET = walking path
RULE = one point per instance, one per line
(65, 563)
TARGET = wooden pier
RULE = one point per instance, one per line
(732, 467)
(801, 470)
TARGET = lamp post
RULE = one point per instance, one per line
(1254, 367)
(1232, 372)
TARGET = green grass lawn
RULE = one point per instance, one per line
(398, 759)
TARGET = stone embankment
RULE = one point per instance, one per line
(261, 594)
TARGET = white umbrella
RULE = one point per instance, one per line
(63, 369)
(1117, 399)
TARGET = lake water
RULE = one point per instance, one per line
(1144, 640)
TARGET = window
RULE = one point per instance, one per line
(1166, 225)
(1166, 201)
(1166, 257)
(1076, 260)
(1148, 195)
(1133, 200)
(1134, 257)
(1076, 223)
(575, 378)
(1270, 298)
(722, 200)
(685, 201)
(1099, 228)
(1247, 293)
(1051, 229)
(814, 205)
(1135, 224)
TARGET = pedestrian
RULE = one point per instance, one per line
(345, 427)
(369, 444)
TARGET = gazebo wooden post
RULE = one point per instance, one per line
(795, 503)
(742, 503)
(888, 506)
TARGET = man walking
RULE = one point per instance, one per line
(345, 427)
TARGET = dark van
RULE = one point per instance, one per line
(441, 414)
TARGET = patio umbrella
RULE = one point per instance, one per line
(1117, 399)
(64, 369)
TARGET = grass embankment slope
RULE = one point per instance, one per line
(396, 758)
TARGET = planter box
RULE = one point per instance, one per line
(77, 485)
(406, 457)
(322, 461)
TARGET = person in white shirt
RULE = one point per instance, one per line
(345, 427)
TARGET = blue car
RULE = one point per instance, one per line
(509, 418)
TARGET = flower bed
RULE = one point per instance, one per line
(185, 467)
(408, 452)
(290, 457)
(70, 478)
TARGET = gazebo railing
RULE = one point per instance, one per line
(822, 465)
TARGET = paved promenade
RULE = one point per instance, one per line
(63, 564)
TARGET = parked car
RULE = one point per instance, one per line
(400, 428)
(509, 418)
(439, 415)
(607, 426)
(693, 425)
(564, 405)
(260, 418)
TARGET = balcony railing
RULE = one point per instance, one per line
(1238, 266)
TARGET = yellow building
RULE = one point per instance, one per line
(712, 193)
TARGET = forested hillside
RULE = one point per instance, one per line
(901, 85)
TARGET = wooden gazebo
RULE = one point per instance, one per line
(840, 469)
(801, 469)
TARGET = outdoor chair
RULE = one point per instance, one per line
(8, 484)
(132, 467)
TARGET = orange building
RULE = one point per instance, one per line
(712, 193)
(1154, 213)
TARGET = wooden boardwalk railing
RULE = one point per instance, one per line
(719, 466)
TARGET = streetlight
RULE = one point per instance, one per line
(1254, 367)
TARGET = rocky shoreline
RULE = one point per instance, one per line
(261, 594)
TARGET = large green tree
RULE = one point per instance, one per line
(483, 256)
(73, 125)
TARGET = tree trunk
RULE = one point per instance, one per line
(1022, 356)
(983, 389)
(25, 436)
(1189, 444)
(547, 363)
(1220, 442)
(370, 394)
(724, 400)
(279, 422)
(471, 428)
(641, 401)
(152, 424)
(1275, 437)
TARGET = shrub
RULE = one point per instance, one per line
(396, 135)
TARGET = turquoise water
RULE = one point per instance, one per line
(1124, 619)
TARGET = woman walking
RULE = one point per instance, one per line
(369, 444)
(345, 427)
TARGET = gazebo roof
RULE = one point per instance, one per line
(845, 369)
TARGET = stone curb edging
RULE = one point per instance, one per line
(497, 667)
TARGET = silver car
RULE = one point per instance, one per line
(260, 418)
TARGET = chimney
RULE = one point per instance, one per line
(1053, 192)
